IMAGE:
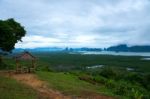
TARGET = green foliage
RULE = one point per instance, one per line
(134, 77)
(136, 94)
(128, 84)
(10, 33)
(62, 61)
(108, 73)
(122, 88)
(3, 66)
(100, 79)
(7, 64)
(110, 83)
(146, 81)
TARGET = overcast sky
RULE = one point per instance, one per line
(80, 23)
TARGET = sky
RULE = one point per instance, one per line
(80, 23)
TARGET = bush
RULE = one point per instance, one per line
(127, 89)
(87, 78)
(110, 83)
(44, 68)
(146, 81)
(109, 73)
(136, 94)
(134, 77)
(3, 65)
(122, 88)
(100, 79)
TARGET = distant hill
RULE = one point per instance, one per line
(117, 48)
(125, 48)
(85, 49)
(45, 49)
(42, 49)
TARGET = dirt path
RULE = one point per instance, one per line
(45, 92)
(40, 86)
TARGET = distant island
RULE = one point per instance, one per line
(125, 48)
(47, 49)
(117, 48)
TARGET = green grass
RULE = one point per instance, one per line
(70, 84)
(11, 89)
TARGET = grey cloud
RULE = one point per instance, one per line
(114, 29)
(120, 21)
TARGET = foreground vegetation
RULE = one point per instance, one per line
(131, 85)
(69, 74)
(11, 89)
(108, 82)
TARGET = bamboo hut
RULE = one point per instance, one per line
(28, 58)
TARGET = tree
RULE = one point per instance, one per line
(10, 33)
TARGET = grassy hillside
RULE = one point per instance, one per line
(107, 82)
(70, 84)
(69, 74)
(11, 89)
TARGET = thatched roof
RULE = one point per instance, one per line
(25, 56)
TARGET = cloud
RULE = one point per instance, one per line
(80, 23)
(37, 41)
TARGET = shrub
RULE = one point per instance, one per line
(146, 81)
(129, 90)
(87, 78)
(110, 83)
(3, 66)
(100, 79)
(136, 94)
(109, 73)
(122, 88)
(134, 77)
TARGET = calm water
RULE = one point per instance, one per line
(117, 53)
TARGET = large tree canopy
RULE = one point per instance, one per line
(10, 33)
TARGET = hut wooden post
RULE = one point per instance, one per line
(17, 66)
(33, 66)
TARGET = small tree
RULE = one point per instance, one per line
(10, 33)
